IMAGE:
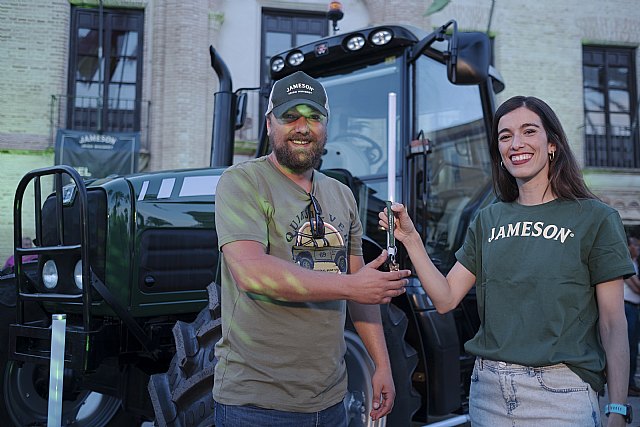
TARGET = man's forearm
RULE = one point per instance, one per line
(368, 324)
(282, 280)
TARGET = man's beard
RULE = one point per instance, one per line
(298, 161)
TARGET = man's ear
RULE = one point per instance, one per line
(268, 124)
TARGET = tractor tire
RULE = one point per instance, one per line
(183, 396)
(26, 401)
(24, 393)
(404, 360)
(360, 369)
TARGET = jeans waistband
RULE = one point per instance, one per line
(633, 304)
(498, 364)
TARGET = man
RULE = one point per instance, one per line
(281, 356)
(632, 311)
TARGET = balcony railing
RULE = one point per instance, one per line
(100, 115)
(612, 147)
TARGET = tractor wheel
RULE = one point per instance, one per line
(183, 396)
(24, 395)
(360, 369)
(359, 396)
(26, 390)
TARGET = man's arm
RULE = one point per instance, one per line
(366, 319)
(257, 272)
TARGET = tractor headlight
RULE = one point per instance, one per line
(50, 274)
(277, 64)
(355, 43)
(381, 37)
(296, 58)
(77, 274)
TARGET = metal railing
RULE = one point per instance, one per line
(612, 147)
(100, 115)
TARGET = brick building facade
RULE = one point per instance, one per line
(537, 48)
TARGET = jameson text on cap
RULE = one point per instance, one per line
(295, 89)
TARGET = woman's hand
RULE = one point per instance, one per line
(403, 225)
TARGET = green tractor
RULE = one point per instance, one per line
(133, 260)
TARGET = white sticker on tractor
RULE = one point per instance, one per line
(166, 188)
(199, 186)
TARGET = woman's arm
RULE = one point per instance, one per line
(613, 333)
(445, 292)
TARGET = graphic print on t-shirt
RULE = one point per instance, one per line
(324, 254)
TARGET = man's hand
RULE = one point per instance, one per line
(371, 286)
(384, 393)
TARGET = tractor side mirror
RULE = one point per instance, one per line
(470, 54)
(241, 109)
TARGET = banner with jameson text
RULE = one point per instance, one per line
(96, 155)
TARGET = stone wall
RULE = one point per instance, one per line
(14, 165)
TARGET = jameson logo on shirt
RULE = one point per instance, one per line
(530, 229)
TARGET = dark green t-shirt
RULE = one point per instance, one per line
(536, 268)
(276, 354)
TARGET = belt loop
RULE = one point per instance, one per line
(481, 363)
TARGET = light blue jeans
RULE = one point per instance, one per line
(510, 395)
(252, 416)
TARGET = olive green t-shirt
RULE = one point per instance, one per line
(536, 269)
(276, 354)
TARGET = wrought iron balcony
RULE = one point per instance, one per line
(101, 115)
(612, 147)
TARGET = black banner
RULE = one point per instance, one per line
(96, 155)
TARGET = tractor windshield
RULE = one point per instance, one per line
(357, 128)
(448, 171)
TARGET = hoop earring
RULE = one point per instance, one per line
(552, 155)
(502, 166)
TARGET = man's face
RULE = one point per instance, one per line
(298, 137)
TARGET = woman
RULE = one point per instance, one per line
(548, 260)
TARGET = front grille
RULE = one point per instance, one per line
(97, 217)
(177, 259)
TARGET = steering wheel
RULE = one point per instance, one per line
(370, 148)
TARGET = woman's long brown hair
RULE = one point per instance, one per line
(565, 178)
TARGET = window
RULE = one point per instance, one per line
(610, 107)
(105, 97)
(282, 30)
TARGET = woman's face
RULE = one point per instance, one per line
(524, 147)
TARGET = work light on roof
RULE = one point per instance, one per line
(277, 64)
(355, 42)
(295, 58)
(381, 37)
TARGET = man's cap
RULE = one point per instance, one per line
(295, 89)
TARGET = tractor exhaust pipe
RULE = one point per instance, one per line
(224, 104)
